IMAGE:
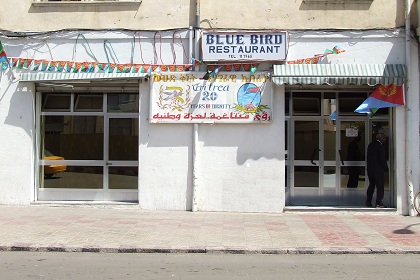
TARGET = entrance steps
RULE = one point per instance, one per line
(350, 209)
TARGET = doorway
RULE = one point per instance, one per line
(327, 148)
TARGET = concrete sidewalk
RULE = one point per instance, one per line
(130, 229)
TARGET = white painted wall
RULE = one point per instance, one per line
(165, 154)
(16, 134)
(241, 166)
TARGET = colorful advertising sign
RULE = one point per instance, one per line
(225, 98)
(244, 46)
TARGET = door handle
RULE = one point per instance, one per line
(313, 155)
(341, 157)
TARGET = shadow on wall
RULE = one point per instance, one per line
(20, 110)
(253, 141)
(82, 7)
(338, 5)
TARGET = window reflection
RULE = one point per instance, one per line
(123, 103)
(75, 177)
(74, 137)
(123, 177)
(88, 103)
(123, 139)
(306, 176)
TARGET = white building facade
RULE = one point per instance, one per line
(84, 117)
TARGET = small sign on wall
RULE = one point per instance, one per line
(352, 132)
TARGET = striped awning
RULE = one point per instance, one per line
(58, 76)
(339, 74)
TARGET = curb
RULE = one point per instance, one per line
(280, 251)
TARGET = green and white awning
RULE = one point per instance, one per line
(58, 76)
(339, 74)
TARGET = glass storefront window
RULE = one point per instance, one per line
(89, 144)
(346, 172)
(73, 177)
(330, 103)
(88, 103)
(349, 101)
(74, 137)
(306, 176)
(123, 103)
(56, 102)
(123, 177)
(123, 139)
(306, 103)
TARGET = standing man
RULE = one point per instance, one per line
(376, 169)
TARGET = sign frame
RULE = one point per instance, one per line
(244, 46)
(229, 97)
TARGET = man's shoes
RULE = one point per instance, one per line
(380, 205)
(368, 204)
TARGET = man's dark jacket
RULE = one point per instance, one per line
(376, 161)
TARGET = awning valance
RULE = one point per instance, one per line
(339, 74)
(58, 76)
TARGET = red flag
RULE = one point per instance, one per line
(382, 97)
(392, 94)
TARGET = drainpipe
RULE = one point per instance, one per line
(194, 207)
(409, 114)
(418, 18)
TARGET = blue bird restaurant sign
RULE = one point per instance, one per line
(248, 46)
(239, 97)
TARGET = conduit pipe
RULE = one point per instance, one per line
(409, 114)
(193, 53)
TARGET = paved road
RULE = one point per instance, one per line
(95, 266)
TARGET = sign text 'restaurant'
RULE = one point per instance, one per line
(244, 46)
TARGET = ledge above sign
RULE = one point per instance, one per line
(337, 1)
(244, 46)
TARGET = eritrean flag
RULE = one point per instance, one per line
(382, 97)
(3, 56)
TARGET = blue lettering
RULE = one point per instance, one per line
(240, 39)
(268, 40)
(210, 39)
(229, 39)
(254, 39)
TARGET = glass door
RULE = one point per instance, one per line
(315, 159)
(328, 143)
(307, 158)
(353, 139)
(331, 159)
(122, 158)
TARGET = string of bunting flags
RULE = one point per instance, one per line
(108, 67)
(90, 67)
(317, 58)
